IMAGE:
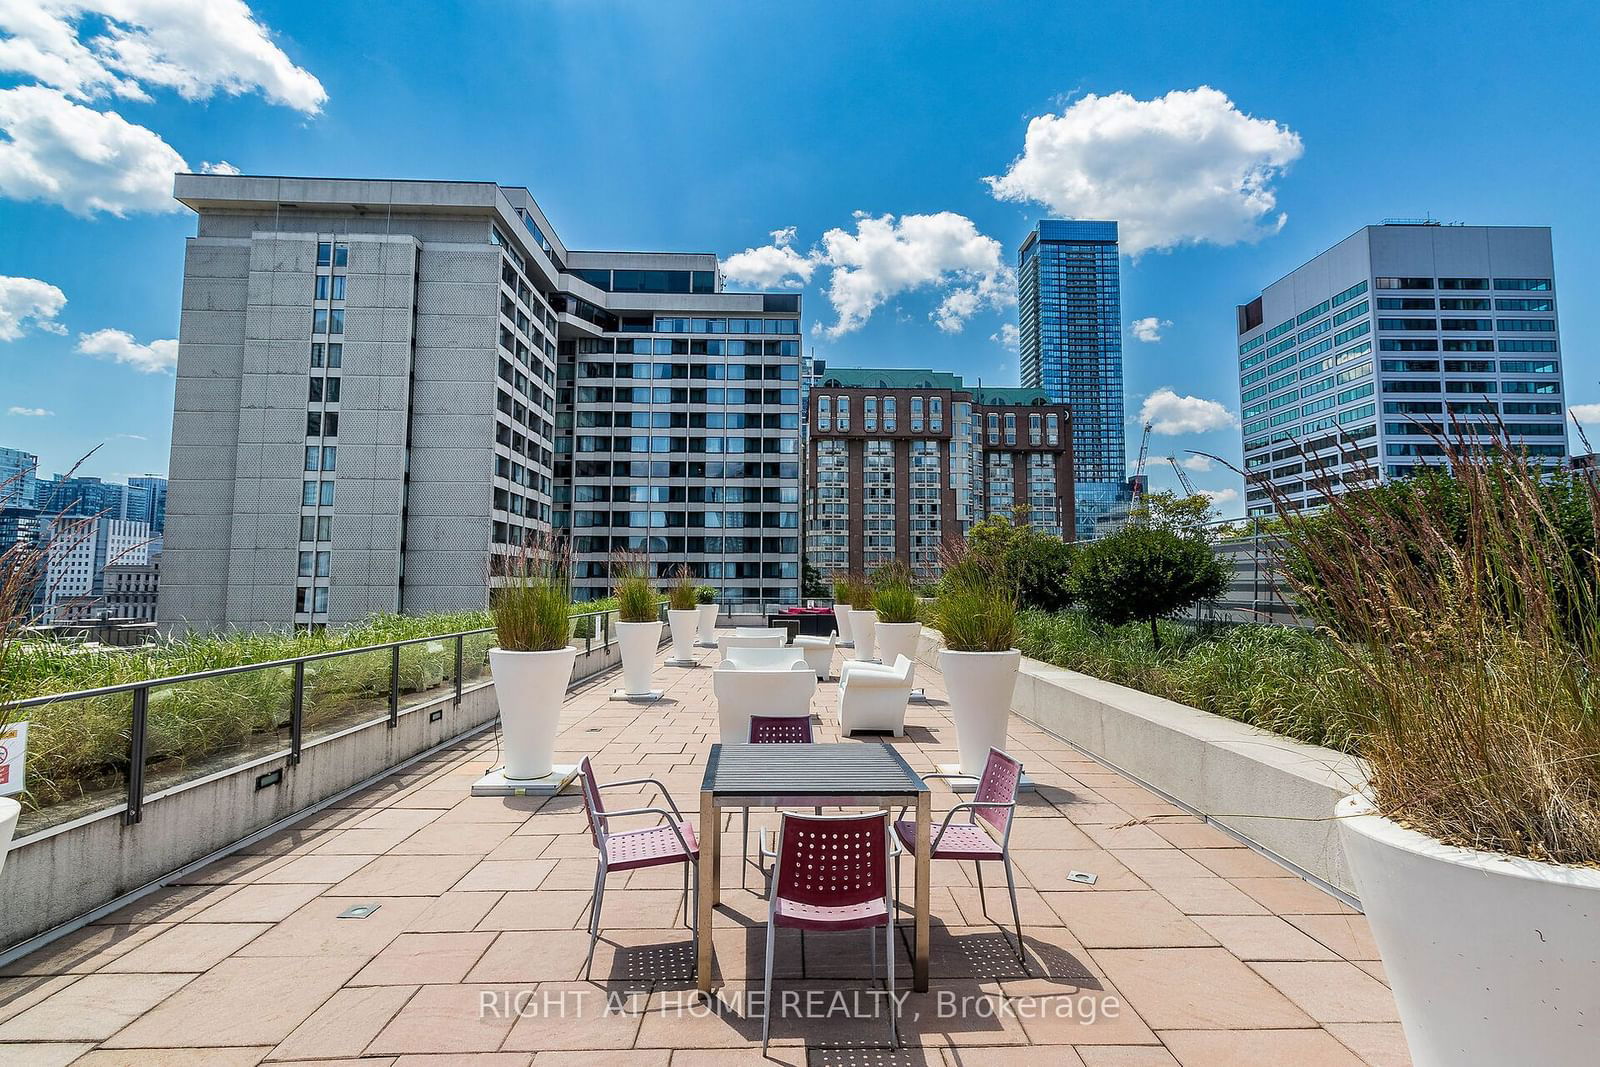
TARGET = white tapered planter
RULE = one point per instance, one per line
(530, 687)
(708, 624)
(979, 685)
(682, 624)
(863, 631)
(639, 641)
(898, 639)
(1492, 959)
(841, 617)
(10, 811)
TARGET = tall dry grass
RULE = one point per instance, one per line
(1478, 638)
(532, 600)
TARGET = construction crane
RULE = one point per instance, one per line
(1138, 468)
(1183, 479)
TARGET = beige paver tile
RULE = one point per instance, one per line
(172, 904)
(1258, 1048)
(577, 1015)
(1197, 988)
(1332, 991)
(506, 876)
(1126, 920)
(17, 995)
(1237, 863)
(84, 950)
(1206, 896)
(1348, 935)
(425, 959)
(1048, 871)
(1377, 1044)
(448, 1018)
(1126, 1056)
(1059, 1056)
(533, 956)
(92, 1008)
(177, 1057)
(1081, 1012)
(316, 928)
(189, 947)
(325, 869)
(546, 909)
(372, 842)
(455, 911)
(260, 903)
(402, 876)
(454, 839)
(1291, 896)
(1262, 937)
(684, 1057)
(345, 1024)
(461, 1059)
(55, 1054)
(241, 1001)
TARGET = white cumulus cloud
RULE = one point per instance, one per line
(778, 265)
(1148, 329)
(32, 413)
(26, 302)
(90, 49)
(221, 166)
(1197, 462)
(884, 257)
(1221, 498)
(1169, 413)
(120, 347)
(1187, 167)
(1008, 336)
(1588, 414)
(87, 161)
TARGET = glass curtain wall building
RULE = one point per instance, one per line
(1351, 364)
(1070, 311)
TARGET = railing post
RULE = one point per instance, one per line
(136, 740)
(297, 712)
(394, 686)
(460, 642)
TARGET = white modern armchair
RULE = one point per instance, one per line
(751, 638)
(768, 687)
(818, 652)
(873, 696)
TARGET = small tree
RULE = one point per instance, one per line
(1185, 516)
(1145, 573)
(1038, 565)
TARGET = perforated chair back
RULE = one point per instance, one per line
(833, 862)
(1001, 774)
(593, 806)
(780, 730)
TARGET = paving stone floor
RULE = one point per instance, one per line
(1189, 948)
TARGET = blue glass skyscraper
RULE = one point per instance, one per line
(1070, 309)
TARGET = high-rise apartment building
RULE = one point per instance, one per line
(19, 478)
(1070, 321)
(155, 509)
(1350, 363)
(903, 461)
(82, 496)
(382, 386)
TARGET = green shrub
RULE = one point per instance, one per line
(976, 609)
(705, 594)
(583, 627)
(1145, 573)
(857, 592)
(681, 597)
(636, 595)
(532, 605)
(896, 603)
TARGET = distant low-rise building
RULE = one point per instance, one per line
(131, 589)
(902, 462)
(80, 551)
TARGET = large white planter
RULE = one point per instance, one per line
(1492, 959)
(980, 686)
(841, 618)
(863, 631)
(898, 639)
(639, 641)
(708, 624)
(682, 624)
(10, 811)
(530, 687)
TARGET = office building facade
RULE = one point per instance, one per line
(1070, 336)
(80, 551)
(19, 478)
(131, 589)
(902, 462)
(385, 386)
(1351, 363)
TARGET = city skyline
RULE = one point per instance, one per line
(893, 252)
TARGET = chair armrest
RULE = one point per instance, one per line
(969, 805)
(876, 680)
(861, 667)
(645, 781)
(950, 774)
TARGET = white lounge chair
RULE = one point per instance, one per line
(780, 632)
(873, 696)
(738, 640)
(818, 652)
(760, 690)
(764, 659)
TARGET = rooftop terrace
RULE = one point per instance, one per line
(1189, 948)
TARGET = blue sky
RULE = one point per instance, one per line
(707, 127)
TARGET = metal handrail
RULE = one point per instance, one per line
(138, 720)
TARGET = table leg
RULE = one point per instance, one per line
(710, 862)
(919, 962)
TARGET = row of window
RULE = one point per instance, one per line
(1471, 325)
(733, 372)
(1506, 284)
(1473, 366)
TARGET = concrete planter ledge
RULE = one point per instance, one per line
(1276, 793)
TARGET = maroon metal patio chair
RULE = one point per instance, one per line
(986, 835)
(770, 730)
(832, 874)
(670, 841)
